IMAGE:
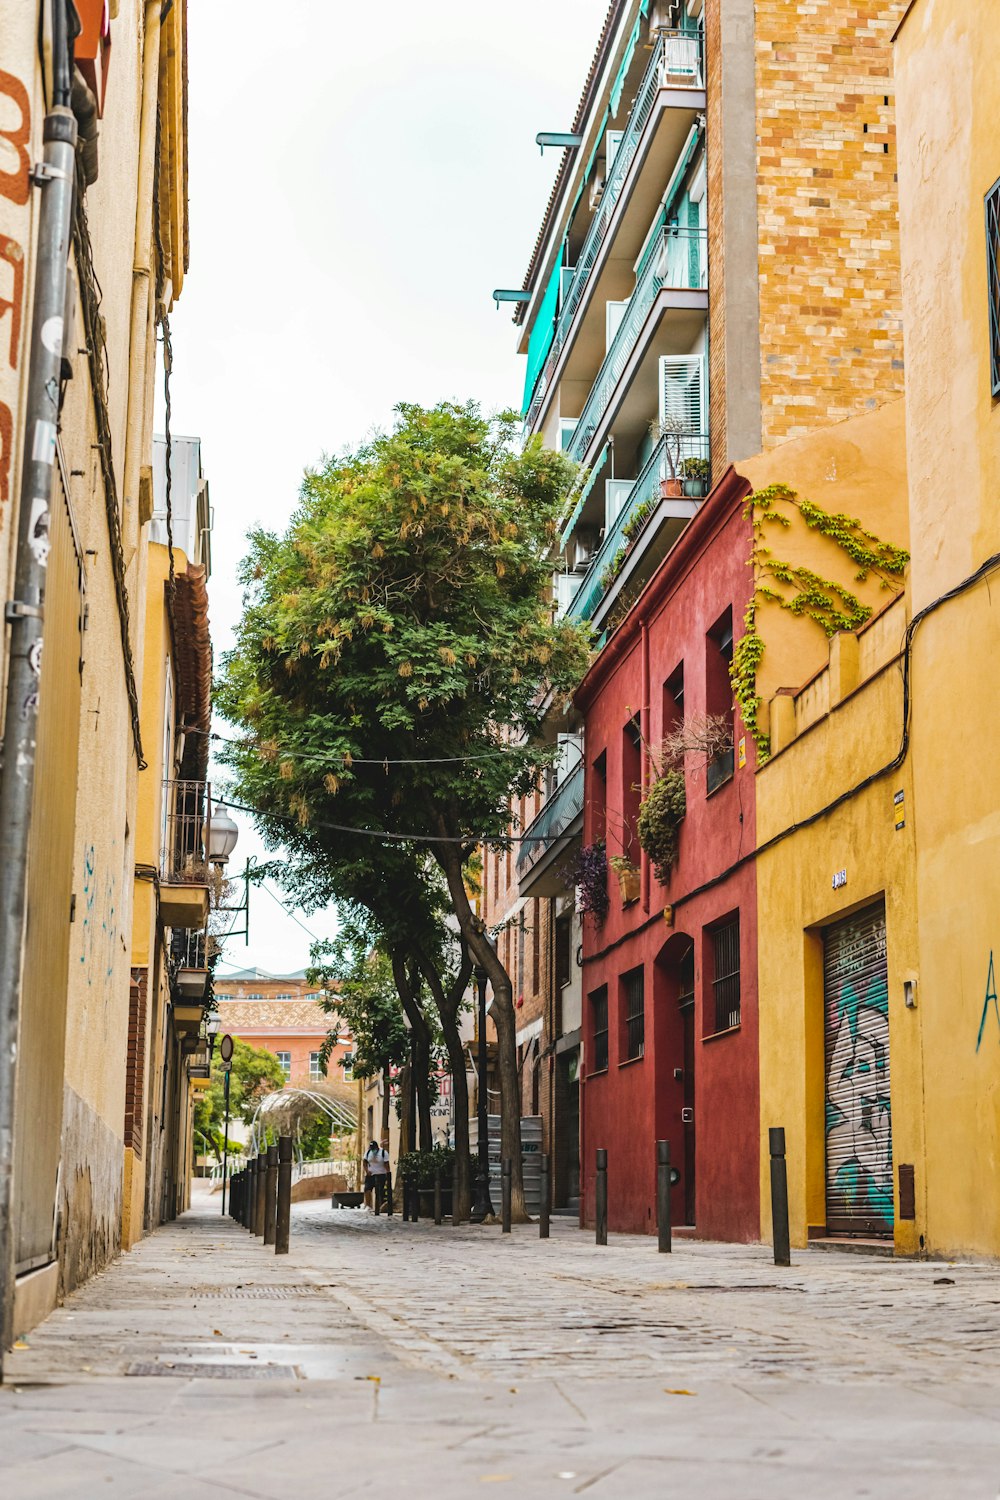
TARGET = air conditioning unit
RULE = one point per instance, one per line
(596, 191)
(664, 15)
(582, 554)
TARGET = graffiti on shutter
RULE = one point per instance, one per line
(859, 1196)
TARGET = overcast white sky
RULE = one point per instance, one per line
(361, 177)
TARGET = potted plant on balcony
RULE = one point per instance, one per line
(695, 472)
(669, 432)
(659, 821)
(628, 878)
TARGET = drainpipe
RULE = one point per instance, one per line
(645, 774)
(24, 613)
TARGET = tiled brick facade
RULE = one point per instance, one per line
(135, 1068)
(831, 335)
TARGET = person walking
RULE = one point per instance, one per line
(377, 1173)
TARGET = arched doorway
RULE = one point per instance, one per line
(675, 1067)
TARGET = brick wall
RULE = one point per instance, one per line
(135, 1065)
(831, 338)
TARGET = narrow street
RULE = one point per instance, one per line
(380, 1354)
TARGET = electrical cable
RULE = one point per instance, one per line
(288, 911)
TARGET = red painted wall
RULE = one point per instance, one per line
(626, 1108)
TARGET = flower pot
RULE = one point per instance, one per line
(670, 488)
(628, 885)
(427, 1201)
(696, 489)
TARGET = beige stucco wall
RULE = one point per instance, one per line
(947, 60)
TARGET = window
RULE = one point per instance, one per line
(599, 1029)
(673, 701)
(564, 947)
(685, 980)
(347, 1063)
(633, 985)
(726, 974)
(993, 280)
(631, 789)
(285, 1059)
(719, 694)
(315, 1067)
(598, 790)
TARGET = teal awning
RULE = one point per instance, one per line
(592, 477)
(633, 42)
(542, 333)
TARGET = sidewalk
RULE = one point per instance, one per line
(380, 1355)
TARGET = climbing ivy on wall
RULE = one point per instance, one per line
(799, 589)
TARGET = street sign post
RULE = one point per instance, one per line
(226, 1053)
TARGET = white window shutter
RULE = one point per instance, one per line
(682, 391)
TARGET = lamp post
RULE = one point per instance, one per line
(482, 1207)
(222, 836)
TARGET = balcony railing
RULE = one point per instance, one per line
(676, 260)
(677, 61)
(556, 815)
(182, 844)
(669, 454)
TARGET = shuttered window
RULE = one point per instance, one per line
(599, 1029)
(726, 975)
(635, 1014)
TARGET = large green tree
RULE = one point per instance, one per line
(396, 652)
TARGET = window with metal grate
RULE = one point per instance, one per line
(993, 280)
(599, 1029)
(635, 1014)
(726, 979)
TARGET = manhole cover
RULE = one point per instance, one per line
(182, 1371)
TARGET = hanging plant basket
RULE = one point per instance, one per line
(659, 822)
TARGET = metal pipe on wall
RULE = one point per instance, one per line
(24, 612)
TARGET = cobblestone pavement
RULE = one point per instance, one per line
(380, 1354)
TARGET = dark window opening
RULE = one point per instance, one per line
(685, 980)
(599, 798)
(719, 695)
(993, 281)
(564, 953)
(633, 984)
(673, 701)
(599, 1029)
(631, 788)
(726, 974)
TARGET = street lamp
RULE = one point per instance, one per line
(211, 1031)
(482, 1207)
(222, 836)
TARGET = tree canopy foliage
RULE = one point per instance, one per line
(390, 675)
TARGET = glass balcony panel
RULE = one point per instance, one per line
(557, 814)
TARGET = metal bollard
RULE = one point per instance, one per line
(414, 1201)
(779, 1197)
(388, 1195)
(251, 1193)
(270, 1194)
(601, 1215)
(543, 1207)
(261, 1189)
(283, 1215)
(237, 1200)
(437, 1194)
(505, 1180)
(663, 1197)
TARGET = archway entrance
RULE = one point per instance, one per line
(675, 1068)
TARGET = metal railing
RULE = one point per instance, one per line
(182, 842)
(645, 492)
(676, 260)
(557, 813)
(190, 948)
(677, 61)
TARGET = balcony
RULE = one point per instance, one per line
(646, 528)
(184, 891)
(548, 840)
(669, 100)
(671, 287)
(189, 954)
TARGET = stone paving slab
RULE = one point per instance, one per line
(379, 1353)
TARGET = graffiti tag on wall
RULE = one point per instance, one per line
(990, 999)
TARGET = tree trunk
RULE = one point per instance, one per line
(386, 1106)
(448, 1002)
(484, 955)
(408, 991)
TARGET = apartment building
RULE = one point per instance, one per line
(716, 277)
(281, 1013)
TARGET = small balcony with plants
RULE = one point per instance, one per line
(644, 519)
(184, 869)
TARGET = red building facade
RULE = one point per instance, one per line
(670, 974)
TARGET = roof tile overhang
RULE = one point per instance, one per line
(611, 20)
(193, 657)
(727, 497)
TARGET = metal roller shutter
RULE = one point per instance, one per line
(858, 1108)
